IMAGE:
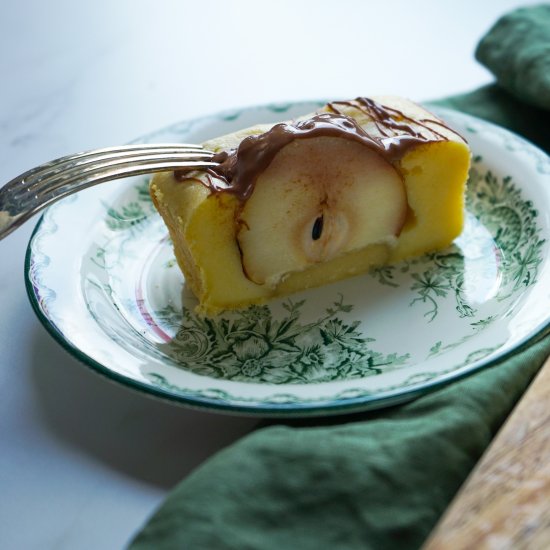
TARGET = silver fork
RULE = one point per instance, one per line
(39, 187)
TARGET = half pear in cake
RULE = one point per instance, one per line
(304, 203)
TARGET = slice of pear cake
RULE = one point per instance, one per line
(299, 204)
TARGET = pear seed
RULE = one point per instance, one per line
(317, 228)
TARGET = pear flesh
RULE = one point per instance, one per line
(318, 199)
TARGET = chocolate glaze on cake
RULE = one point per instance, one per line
(396, 133)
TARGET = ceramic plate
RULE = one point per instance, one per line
(102, 278)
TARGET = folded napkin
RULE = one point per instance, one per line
(517, 51)
(380, 479)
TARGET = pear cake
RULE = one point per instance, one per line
(303, 203)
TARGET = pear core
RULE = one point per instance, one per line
(318, 199)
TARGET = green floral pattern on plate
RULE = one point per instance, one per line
(252, 345)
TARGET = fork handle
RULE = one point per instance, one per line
(14, 211)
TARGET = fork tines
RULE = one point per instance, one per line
(90, 165)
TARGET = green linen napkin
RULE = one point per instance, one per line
(381, 479)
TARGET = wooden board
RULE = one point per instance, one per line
(505, 503)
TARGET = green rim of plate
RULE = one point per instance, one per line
(319, 407)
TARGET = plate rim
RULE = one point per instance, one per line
(330, 406)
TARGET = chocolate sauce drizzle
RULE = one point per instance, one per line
(239, 168)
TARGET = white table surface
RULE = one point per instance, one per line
(83, 462)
